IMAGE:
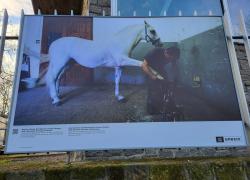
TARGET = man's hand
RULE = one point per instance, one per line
(153, 77)
(158, 76)
(150, 72)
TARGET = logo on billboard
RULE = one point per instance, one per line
(219, 139)
(232, 139)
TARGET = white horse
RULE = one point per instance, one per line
(114, 53)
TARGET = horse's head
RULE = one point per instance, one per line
(150, 35)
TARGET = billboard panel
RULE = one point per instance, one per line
(87, 83)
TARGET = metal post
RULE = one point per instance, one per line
(4, 135)
(227, 16)
(149, 13)
(210, 12)
(2, 44)
(39, 12)
(3, 35)
(15, 83)
(83, 156)
(4, 130)
(165, 13)
(195, 13)
(68, 158)
(113, 7)
(236, 71)
(179, 13)
(243, 30)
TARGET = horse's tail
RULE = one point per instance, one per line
(42, 58)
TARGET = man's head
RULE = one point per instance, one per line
(172, 53)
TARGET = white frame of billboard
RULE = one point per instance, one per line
(191, 125)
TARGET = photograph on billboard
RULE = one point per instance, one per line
(82, 76)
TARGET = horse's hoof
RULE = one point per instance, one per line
(58, 103)
(121, 99)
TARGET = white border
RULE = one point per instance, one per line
(126, 136)
(118, 135)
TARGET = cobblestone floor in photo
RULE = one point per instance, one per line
(97, 104)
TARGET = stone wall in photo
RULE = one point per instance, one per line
(98, 6)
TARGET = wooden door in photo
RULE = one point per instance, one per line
(60, 26)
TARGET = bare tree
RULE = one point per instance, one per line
(5, 92)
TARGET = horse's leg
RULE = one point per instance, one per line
(125, 61)
(58, 79)
(51, 83)
(118, 73)
(55, 67)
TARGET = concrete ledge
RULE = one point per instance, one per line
(45, 168)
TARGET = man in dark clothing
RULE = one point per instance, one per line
(160, 85)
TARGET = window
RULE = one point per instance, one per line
(167, 7)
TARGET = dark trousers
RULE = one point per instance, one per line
(160, 97)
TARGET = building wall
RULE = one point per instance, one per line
(244, 69)
(205, 57)
(35, 167)
(98, 6)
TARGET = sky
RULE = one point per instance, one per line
(14, 8)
